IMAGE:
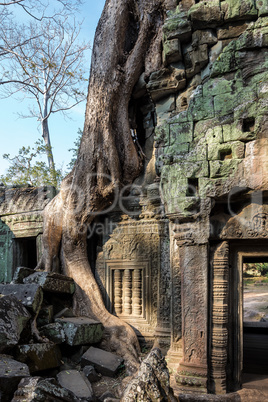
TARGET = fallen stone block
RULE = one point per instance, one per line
(34, 389)
(81, 330)
(91, 374)
(107, 396)
(54, 332)
(65, 312)
(39, 356)
(77, 383)
(31, 296)
(52, 282)
(151, 382)
(45, 316)
(21, 273)
(11, 372)
(105, 363)
(13, 319)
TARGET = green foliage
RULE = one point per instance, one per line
(75, 149)
(26, 168)
(259, 267)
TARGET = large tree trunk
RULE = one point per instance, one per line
(108, 159)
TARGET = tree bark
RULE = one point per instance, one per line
(107, 160)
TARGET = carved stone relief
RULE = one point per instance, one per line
(134, 275)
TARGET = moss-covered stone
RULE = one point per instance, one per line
(234, 132)
(177, 26)
(206, 14)
(226, 103)
(229, 150)
(214, 135)
(236, 10)
(181, 132)
(225, 168)
(200, 108)
(172, 51)
(262, 7)
(162, 135)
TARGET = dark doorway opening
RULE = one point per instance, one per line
(24, 252)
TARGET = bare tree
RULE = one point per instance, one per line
(38, 9)
(128, 34)
(48, 68)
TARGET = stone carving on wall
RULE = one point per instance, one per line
(133, 273)
(219, 337)
(252, 222)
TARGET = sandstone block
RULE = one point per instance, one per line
(231, 31)
(77, 383)
(234, 132)
(227, 150)
(39, 356)
(52, 282)
(81, 330)
(206, 14)
(91, 374)
(13, 319)
(54, 332)
(31, 296)
(34, 389)
(172, 51)
(235, 10)
(11, 372)
(262, 7)
(21, 273)
(225, 168)
(45, 316)
(181, 132)
(177, 26)
(105, 363)
(206, 36)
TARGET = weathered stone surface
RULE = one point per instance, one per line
(231, 30)
(166, 81)
(13, 318)
(235, 10)
(35, 389)
(31, 296)
(45, 316)
(51, 282)
(202, 37)
(39, 356)
(172, 51)
(65, 312)
(21, 273)
(195, 59)
(77, 383)
(91, 374)
(105, 363)
(11, 372)
(81, 330)
(54, 332)
(177, 26)
(206, 14)
(151, 382)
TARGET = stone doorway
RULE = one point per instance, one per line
(25, 252)
(248, 350)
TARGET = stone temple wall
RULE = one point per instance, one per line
(205, 139)
(21, 227)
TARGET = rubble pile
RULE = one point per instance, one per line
(46, 351)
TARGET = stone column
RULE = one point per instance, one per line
(194, 294)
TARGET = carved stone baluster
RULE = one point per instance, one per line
(117, 291)
(127, 292)
(137, 300)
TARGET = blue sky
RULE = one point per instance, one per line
(16, 132)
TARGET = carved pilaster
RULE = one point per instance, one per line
(117, 291)
(219, 338)
(127, 292)
(137, 296)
